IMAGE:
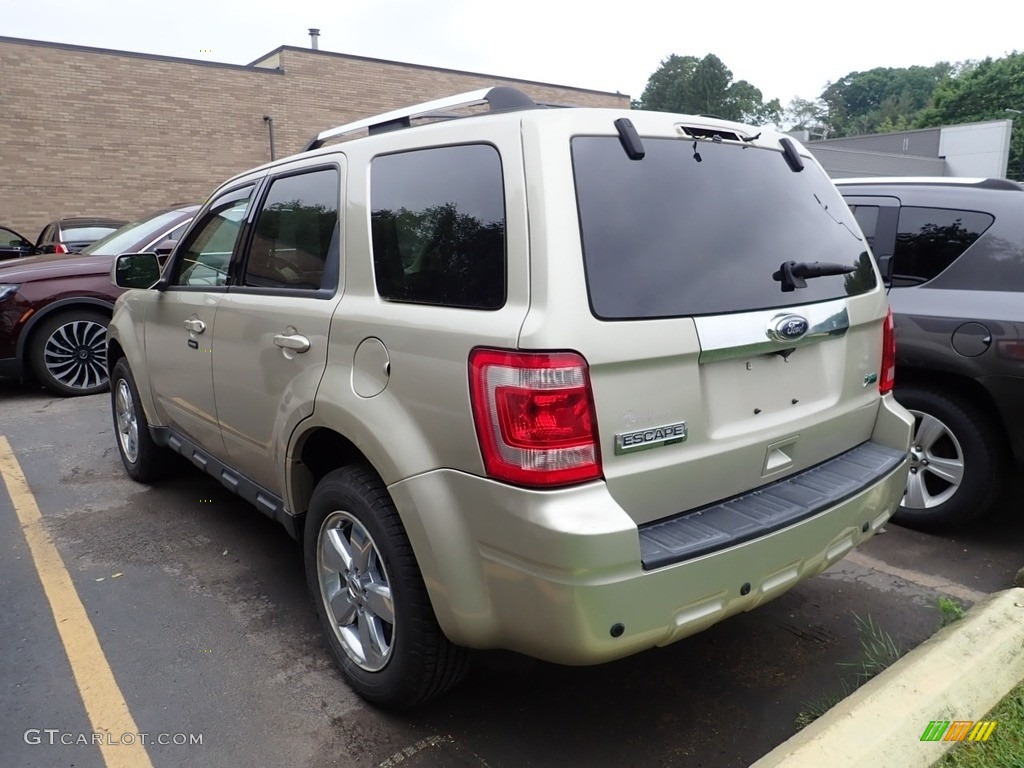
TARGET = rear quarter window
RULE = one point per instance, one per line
(929, 240)
(438, 226)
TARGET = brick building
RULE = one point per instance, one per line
(91, 131)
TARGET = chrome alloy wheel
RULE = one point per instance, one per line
(356, 591)
(936, 464)
(75, 354)
(127, 421)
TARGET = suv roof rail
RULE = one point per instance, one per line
(935, 181)
(500, 98)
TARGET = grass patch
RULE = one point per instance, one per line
(1005, 747)
(815, 708)
(950, 611)
(878, 651)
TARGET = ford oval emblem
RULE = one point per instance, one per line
(789, 328)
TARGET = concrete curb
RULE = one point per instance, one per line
(959, 674)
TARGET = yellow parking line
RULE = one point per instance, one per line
(104, 702)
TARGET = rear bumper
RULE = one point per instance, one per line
(555, 574)
(767, 509)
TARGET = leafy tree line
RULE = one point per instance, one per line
(705, 87)
(879, 100)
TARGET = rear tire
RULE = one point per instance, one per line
(958, 460)
(68, 354)
(370, 597)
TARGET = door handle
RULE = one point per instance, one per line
(195, 325)
(293, 341)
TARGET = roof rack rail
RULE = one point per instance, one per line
(500, 98)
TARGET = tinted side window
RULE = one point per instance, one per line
(11, 238)
(930, 239)
(296, 231)
(867, 218)
(438, 226)
(204, 257)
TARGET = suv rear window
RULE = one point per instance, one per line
(930, 239)
(698, 228)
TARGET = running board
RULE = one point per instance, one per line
(266, 502)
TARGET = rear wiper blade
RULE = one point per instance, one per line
(794, 274)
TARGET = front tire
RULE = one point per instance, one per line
(958, 460)
(369, 594)
(68, 354)
(143, 459)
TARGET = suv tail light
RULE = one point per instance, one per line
(534, 415)
(887, 379)
(60, 248)
(1011, 348)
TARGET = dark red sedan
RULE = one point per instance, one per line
(54, 308)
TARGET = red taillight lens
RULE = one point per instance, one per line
(1011, 348)
(887, 378)
(60, 248)
(534, 416)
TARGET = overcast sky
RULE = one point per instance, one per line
(786, 50)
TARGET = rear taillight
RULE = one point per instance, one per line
(60, 248)
(534, 416)
(887, 378)
(1011, 348)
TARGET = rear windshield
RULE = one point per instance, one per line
(699, 228)
(85, 234)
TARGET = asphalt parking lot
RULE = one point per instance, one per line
(199, 606)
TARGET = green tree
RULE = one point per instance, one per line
(862, 102)
(810, 116)
(705, 87)
(979, 91)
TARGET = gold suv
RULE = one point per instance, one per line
(570, 382)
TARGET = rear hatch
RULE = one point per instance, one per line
(709, 379)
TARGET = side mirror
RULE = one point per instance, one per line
(135, 270)
(164, 247)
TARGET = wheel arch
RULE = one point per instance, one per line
(314, 452)
(114, 353)
(58, 307)
(955, 385)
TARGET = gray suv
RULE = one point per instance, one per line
(570, 382)
(955, 249)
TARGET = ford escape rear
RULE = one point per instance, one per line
(570, 382)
